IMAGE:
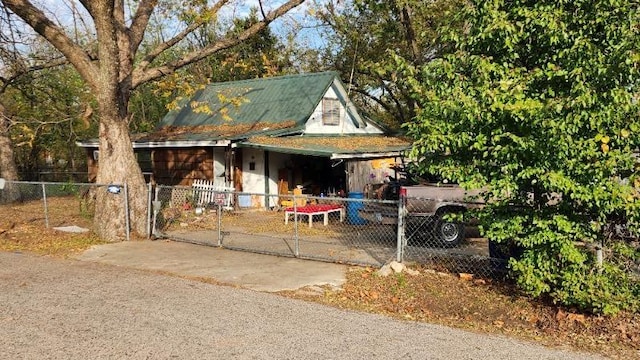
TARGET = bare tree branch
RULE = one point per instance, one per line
(89, 6)
(56, 36)
(139, 23)
(262, 9)
(141, 75)
(153, 54)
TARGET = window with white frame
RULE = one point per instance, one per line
(330, 111)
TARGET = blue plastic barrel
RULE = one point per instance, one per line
(353, 217)
(244, 201)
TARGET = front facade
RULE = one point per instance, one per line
(256, 135)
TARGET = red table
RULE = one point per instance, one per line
(315, 209)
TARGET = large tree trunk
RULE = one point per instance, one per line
(112, 77)
(117, 165)
(8, 168)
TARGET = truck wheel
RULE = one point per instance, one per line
(417, 230)
(448, 233)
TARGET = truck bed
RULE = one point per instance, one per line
(421, 201)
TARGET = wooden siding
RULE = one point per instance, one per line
(143, 156)
(92, 165)
(361, 173)
(179, 166)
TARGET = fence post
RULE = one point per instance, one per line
(46, 210)
(149, 204)
(296, 236)
(219, 213)
(599, 255)
(401, 227)
(126, 211)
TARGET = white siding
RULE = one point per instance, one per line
(276, 161)
(218, 167)
(347, 122)
(253, 180)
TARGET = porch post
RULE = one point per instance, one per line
(266, 179)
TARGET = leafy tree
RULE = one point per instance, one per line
(262, 55)
(537, 104)
(20, 59)
(113, 66)
(359, 34)
(51, 109)
(259, 56)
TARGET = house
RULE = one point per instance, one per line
(259, 134)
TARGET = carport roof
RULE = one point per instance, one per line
(334, 147)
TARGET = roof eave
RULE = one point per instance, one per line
(369, 155)
(161, 144)
(285, 150)
(297, 130)
(328, 153)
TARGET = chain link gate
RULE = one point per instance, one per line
(321, 228)
(343, 230)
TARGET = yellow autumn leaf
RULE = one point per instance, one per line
(605, 140)
(625, 133)
(604, 147)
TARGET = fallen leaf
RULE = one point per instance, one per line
(576, 317)
(465, 276)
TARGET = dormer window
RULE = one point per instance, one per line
(330, 111)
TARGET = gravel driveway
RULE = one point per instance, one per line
(67, 309)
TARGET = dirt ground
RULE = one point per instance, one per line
(457, 300)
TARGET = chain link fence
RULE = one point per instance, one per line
(343, 230)
(54, 204)
(435, 234)
(352, 230)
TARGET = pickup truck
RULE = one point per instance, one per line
(426, 209)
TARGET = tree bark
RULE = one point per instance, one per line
(8, 168)
(118, 166)
(117, 163)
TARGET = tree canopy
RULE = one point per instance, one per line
(359, 35)
(537, 104)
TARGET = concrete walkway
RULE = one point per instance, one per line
(243, 269)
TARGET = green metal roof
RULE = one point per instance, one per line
(336, 146)
(238, 109)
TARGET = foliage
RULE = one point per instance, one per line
(51, 109)
(259, 56)
(359, 34)
(537, 106)
(147, 108)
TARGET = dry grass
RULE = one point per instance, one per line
(252, 222)
(22, 227)
(481, 305)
